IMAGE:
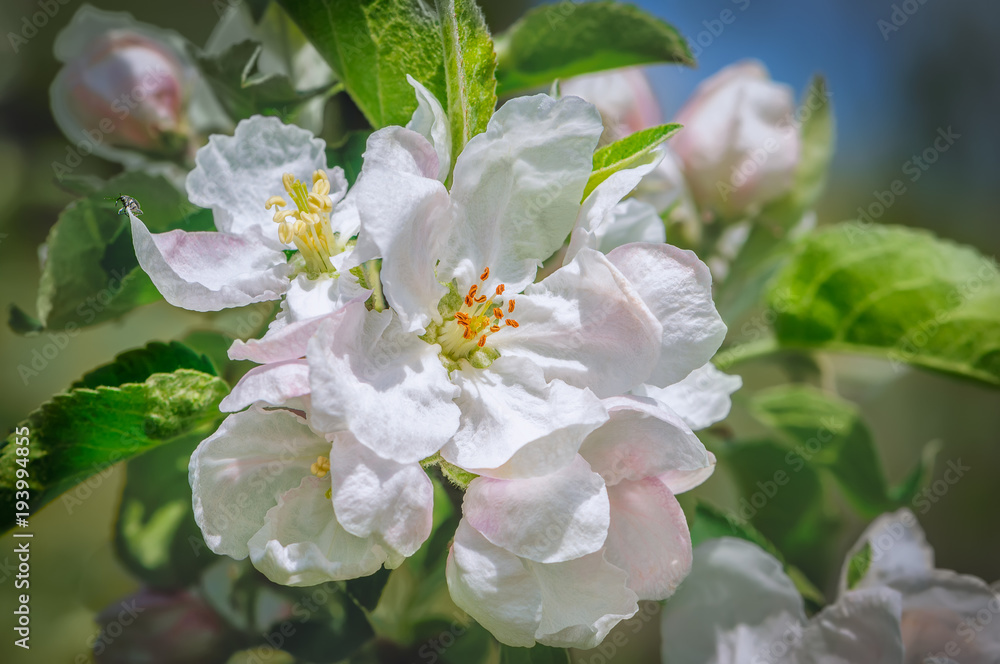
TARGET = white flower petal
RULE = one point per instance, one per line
(899, 549)
(374, 497)
(586, 325)
(570, 604)
(236, 174)
(283, 342)
(514, 424)
(303, 544)
(631, 220)
(238, 472)
(308, 298)
(206, 271)
(385, 385)
(275, 384)
(517, 189)
(702, 398)
(863, 626)
(732, 583)
(550, 519)
(404, 220)
(677, 288)
(645, 439)
(597, 214)
(431, 122)
(648, 537)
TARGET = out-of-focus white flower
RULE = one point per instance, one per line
(739, 145)
(561, 559)
(265, 165)
(306, 507)
(624, 98)
(128, 91)
(947, 617)
(739, 607)
(473, 359)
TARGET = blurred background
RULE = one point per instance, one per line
(894, 86)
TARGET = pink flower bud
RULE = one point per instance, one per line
(624, 98)
(130, 88)
(739, 144)
(163, 628)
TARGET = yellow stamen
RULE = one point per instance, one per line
(321, 467)
(307, 226)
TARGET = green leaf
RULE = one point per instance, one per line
(156, 536)
(372, 45)
(86, 430)
(469, 63)
(712, 523)
(817, 136)
(538, 654)
(568, 39)
(626, 153)
(22, 322)
(858, 565)
(137, 365)
(896, 292)
(90, 273)
(826, 432)
(244, 91)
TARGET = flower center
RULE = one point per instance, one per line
(464, 333)
(307, 226)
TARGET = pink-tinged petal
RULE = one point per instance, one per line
(570, 604)
(702, 398)
(517, 189)
(381, 499)
(586, 325)
(644, 439)
(273, 384)
(550, 519)
(623, 96)
(303, 544)
(235, 175)
(863, 626)
(404, 220)
(205, 271)
(733, 586)
(648, 537)
(385, 385)
(309, 298)
(430, 121)
(238, 472)
(677, 288)
(514, 424)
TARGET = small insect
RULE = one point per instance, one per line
(128, 204)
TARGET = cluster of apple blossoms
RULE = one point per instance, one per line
(524, 392)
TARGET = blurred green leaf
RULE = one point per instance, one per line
(86, 430)
(569, 39)
(244, 91)
(372, 45)
(137, 365)
(367, 590)
(826, 432)
(348, 155)
(858, 565)
(469, 63)
(626, 153)
(899, 293)
(156, 537)
(90, 274)
(22, 322)
(538, 654)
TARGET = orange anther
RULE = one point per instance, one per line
(494, 328)
(500, 289)
(485, 274)
(472, 290)
(497, 312)
(512, 322)
(481, 298)
(482, 341)
(468, 301)
(510, 305)
(468, 334)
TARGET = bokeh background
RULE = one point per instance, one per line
(892, 87)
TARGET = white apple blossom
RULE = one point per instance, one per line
(500, 375)
(739, 607)
(947, 617)
(561, 559)
(306, 507)
(264, 165)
